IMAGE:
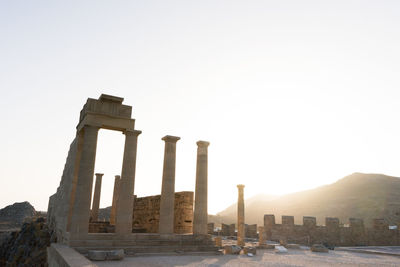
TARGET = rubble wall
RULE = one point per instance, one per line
(332, 233)
(146, 213)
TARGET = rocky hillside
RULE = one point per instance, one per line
(358, 195)
(26, 247)
(13, 216)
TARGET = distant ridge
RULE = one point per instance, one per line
(358, 195)
(14, 215)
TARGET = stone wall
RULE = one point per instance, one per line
(355, 234)
(58, 209)
(146, 213)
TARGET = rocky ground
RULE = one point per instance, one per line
(26, 247)
(13, 216)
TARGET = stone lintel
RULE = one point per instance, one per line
(203, 143)
(107, 122)
(132, 132)
(111, 98)
(170, 138)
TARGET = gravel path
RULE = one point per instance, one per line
(264, 258)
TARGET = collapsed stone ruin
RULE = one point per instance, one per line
(77, 225)
(333, 232)
(146, 215)
(355, 234)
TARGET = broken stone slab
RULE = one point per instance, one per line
(104, 255)
(293, 246)
(280, 249)
(233, 249)
(250, 250)
(318, 248)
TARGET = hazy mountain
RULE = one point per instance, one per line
(358, 195)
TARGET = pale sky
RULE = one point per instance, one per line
(290, 94)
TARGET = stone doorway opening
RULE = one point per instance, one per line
(110, 148)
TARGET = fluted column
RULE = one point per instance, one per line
(117, 182)
(96, 197)
(240, 216)
(166, 224)
(83, 193)
(124, 210)
(200, 204)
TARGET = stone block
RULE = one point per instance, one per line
(103, 255)
(232, 249)
(287, 220)
(251, 250)
(293, 246)
(318, 248)
(218, 241)
(97, 255)
(280, 249)
(210, 228)
(309, 222)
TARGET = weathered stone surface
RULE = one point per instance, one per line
(251, 230)
(232, 249)
(13, 216)
(166, 225)
(26, 247)
(201, 205)
(146, 213)
(210, 228)
(97, 255)
(251, 250)
(280, 249)
(218, 241)
(240, 216)
(292, 246)
(103, 255)
(318, 248)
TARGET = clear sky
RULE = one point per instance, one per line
(291, 94)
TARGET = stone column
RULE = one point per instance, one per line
(261, 236)
(83, 193)
(200, 204)
(167, 207)
(240, 216)
(124, 209)
(96, 197)
(117, 182)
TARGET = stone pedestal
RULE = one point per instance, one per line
(200, 205)
(124, 210)
(166, 225)
(117, 182)
(81, 208)
(240, 216)
(96, 197)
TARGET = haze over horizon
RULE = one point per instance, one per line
(290, 95)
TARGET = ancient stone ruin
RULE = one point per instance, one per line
(333, 233)
(132, 225)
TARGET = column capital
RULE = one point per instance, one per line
(118, 176)
(202, 143)
(240, 186)
(132, 132)
(99, 174)
(170, 139)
